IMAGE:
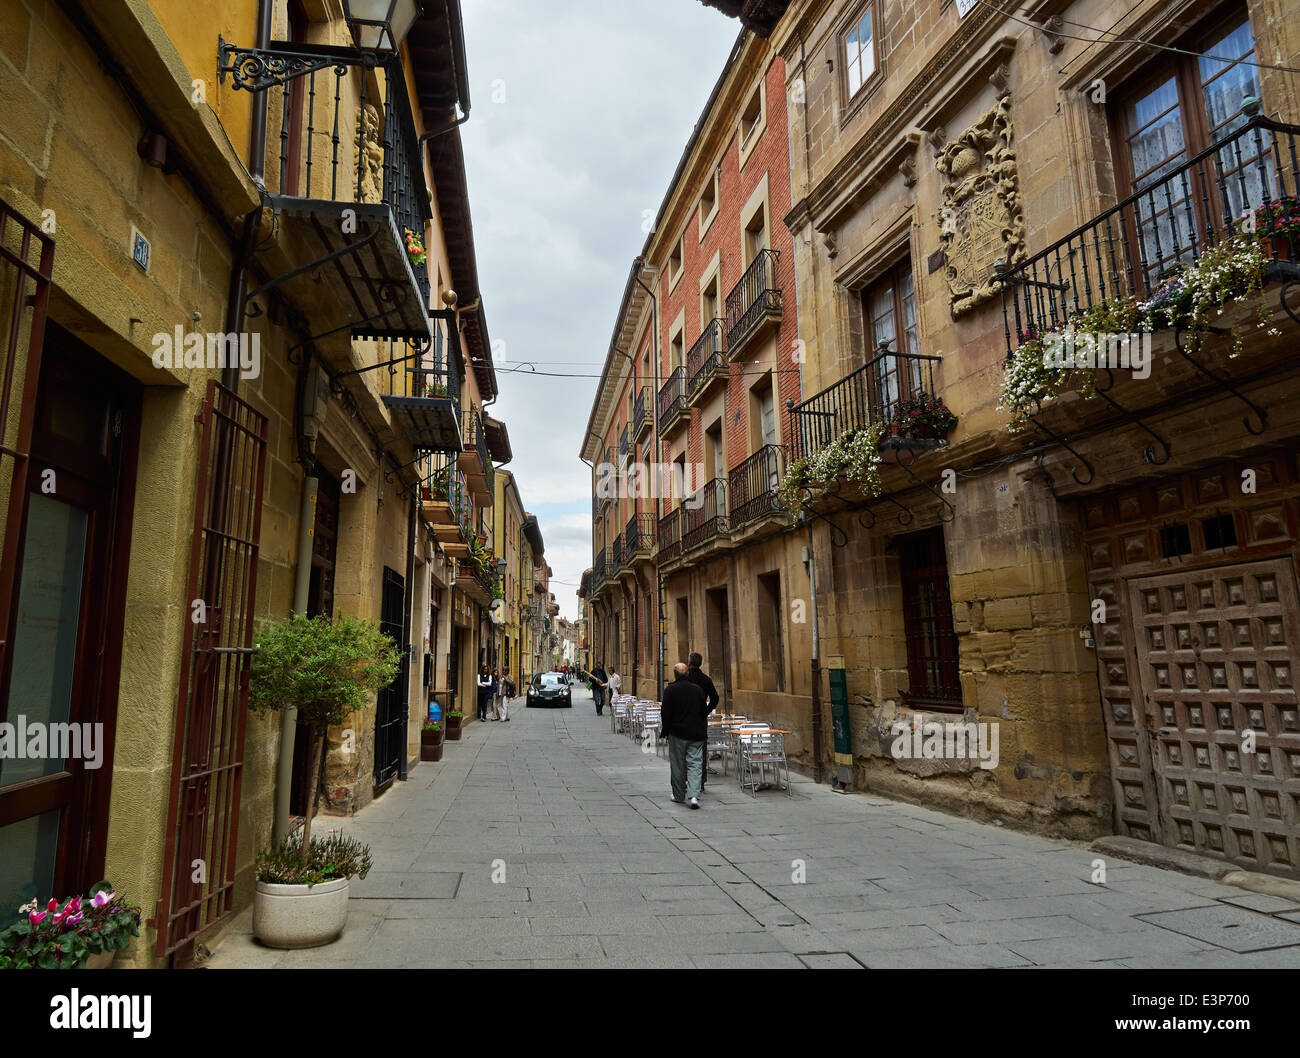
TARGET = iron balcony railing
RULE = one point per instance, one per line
(754, 486)
(1168, 222)
(707, 355)
(616, 554)
(704, 514)
(871, 393)
(447, 482)
(486, 580)
(623, 445)
(642, 409)
(672, 396)
(670, 535)
(476, 440)
(639, 535)
(598, 566)
(754, 298)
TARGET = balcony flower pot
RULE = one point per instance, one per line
(454, 721)
(431, 742)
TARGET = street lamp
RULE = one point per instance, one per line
(380, 26)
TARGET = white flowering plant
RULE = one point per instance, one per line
(854, 455)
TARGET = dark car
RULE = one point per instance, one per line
(550, 689)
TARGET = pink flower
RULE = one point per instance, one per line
(101, 898)
(74, 919)
(53, 905)
(35, 917)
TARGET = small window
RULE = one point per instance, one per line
(1175, 540)
(710, 302)
(1220, 532)
(708, 204)
(752, 116)
(927, 622)
(675, 263)
(860, 51)
(677, 350)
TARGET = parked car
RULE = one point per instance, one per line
(550, 689)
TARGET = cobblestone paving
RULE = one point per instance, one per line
(601, 869)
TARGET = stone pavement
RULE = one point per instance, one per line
(601, 869)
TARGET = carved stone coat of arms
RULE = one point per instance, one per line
(982, 219)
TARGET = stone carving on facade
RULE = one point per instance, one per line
(369, 141)
(828, 240)
(982, 219)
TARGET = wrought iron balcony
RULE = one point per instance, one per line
(871, 393)
(1169, 222)
(479, 585)
(754, 485)
(616, 554)
(476, 460)
(642, 414)
(623, 445)
(670, 535)
(754, 302)
(639, 536)
(345, 179)
(599, 568)
(673, 408)
(707, 362)
(704, 514)
(447, 506)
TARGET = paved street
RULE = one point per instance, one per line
(602, 870)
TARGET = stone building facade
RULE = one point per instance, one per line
(1112, 586)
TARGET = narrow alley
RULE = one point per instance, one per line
(598, 869)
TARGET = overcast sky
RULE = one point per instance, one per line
(580, 112)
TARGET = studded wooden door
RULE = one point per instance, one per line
(1197, 656)
(1217, 657)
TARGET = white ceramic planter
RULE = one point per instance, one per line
(299, 916)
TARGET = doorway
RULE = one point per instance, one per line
(65, 634)
(718, 624)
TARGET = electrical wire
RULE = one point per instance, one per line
(600, 374)
(1108, 37)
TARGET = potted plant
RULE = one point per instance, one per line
(85, 933)
(923, 417)
(414, 247)
(326, 669)
(455, 719)
(1278, 223)
(431, 740)
(302, 893)
(435, 389)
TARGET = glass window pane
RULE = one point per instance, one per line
(27, 851)
(45, 637)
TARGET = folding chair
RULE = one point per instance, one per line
(759, 751)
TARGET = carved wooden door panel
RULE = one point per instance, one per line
(1216, 652)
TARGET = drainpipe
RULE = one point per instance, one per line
(816, 664)
(289, 717)
(412, 526)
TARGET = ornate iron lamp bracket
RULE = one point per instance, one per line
(254, 69)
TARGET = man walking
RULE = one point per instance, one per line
(599, 680)
(702, 681)
(684, 721)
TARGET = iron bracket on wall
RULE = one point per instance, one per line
(1254, 409)
(314, 266)
(254, 69)
(1129, 416)
(1058, 439)
(906, 467)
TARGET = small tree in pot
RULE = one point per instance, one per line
(326, 669)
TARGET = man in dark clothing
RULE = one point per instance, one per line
(599, 681)
(684, 721)
(702, 681)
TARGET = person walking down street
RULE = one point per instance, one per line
(684, 720)
(599, 683)
(484, 691)
(507, 692)
(702, 681)
(615, 683)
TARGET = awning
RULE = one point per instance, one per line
(498, 440)
(358, 277)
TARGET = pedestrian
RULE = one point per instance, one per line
(702, 681)
(507, 692)
(484, 690)
(683, 719)
(598, 685)
(615, 683)
(495, 701)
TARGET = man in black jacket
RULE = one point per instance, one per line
(599, 682)
(702, 681)
(684, 720)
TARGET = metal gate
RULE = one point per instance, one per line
(1198, 663)
(391, 713)
(212, 704)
